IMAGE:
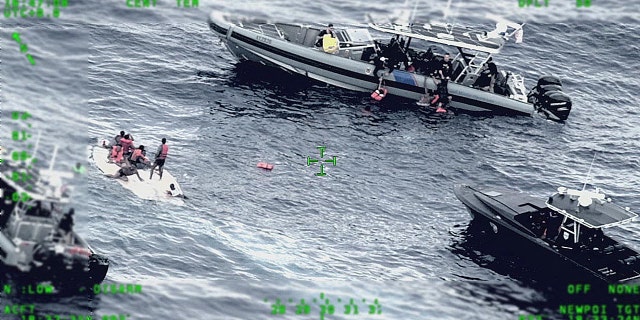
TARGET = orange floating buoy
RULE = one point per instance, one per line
(265, 165)
(379, 94)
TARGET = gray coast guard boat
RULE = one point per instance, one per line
(291, 47)
(33, 241)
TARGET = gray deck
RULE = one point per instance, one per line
(599, 214)
(458, 37)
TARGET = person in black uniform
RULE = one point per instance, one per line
(66, 224)
(328, 30)
(487, 79)
(445, 68)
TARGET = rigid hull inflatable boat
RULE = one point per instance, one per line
(33, 240)
(292, 47)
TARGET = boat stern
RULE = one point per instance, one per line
(548, 98)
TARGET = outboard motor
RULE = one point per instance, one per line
(547, 97)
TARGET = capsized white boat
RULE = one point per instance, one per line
(148, 189)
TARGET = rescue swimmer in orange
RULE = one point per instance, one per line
(161, 156)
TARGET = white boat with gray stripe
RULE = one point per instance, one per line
(291, 47)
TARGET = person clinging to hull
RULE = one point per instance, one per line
(173, 192)
(161, 156)
(443, 75)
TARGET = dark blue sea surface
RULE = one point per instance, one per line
(383, 224)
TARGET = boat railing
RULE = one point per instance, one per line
(474, 66)
(516, 86)
(267, 29)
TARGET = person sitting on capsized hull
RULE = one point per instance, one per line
(116, 156)
(126, 170)
(118, 137)
(127, 145)
(138, 158)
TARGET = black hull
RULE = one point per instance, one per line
(524, 245)
(85, 275)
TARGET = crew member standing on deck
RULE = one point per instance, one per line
(66, 224)
(446, 68)
(161, 156)
(328, 31)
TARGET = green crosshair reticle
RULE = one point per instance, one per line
(310, 161)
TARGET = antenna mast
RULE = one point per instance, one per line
(413, 13)
(446, 11)
(589, 174)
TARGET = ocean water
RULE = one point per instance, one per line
(383, 224)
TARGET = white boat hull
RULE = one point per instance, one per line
(148, 189)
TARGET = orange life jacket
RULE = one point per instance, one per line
(164, 152)
(126, 145)
(136, 153)
(115, 154)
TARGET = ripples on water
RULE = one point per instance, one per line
(383, 224)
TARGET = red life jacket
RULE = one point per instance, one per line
(115, 154)
(164, 152)
(136, 153)
(126, 145)
(379, 94)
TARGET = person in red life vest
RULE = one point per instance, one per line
(161, 155)
(118, 137)
(116, 155)
(138, 157)
(127, 145)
